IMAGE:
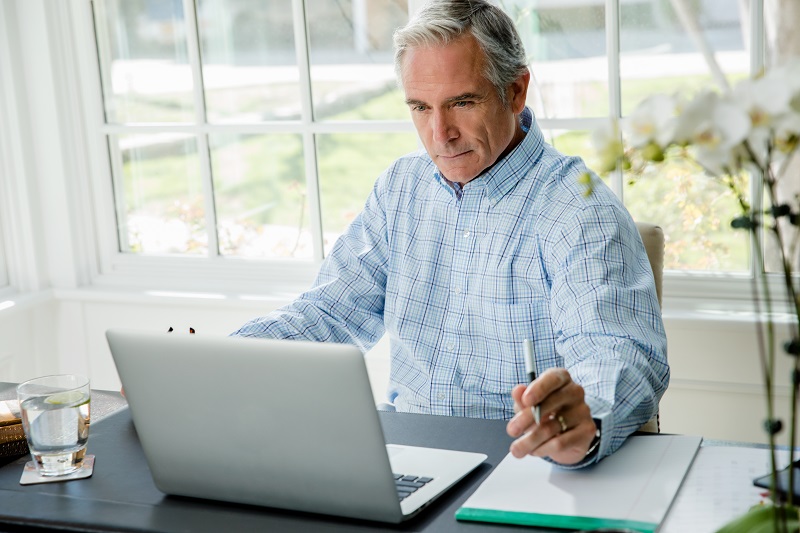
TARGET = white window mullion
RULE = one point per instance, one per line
(360, 26)
(757, 37)
(757, 60)
(614, 79)
(118, 179)
(98, 142)
(309, 144)
(260, 128)
(203, 153)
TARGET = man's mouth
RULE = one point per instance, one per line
(453, 156)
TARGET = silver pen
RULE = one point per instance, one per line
(530, 368)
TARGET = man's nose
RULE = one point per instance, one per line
(443, 128)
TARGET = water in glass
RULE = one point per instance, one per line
(57, 428)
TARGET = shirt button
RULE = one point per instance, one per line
(467, 234)
(450, 346)
(440, 396)
(457, 290)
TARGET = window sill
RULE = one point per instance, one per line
(12, 302)
(208, 299)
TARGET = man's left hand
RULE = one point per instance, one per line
(566, 428)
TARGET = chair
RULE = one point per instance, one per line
(653, 240)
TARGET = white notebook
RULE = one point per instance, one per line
(633, 488)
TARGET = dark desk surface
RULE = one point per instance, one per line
(121, 496)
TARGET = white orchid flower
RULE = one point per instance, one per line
(608, 146)
(715, 128)
(766, 101)
(652, 122)
(787, 135)
(788, 73)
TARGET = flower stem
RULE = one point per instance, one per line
(766, 350)
(771, 186)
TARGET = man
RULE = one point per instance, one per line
(486, 239)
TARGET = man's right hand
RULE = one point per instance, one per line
(566, 429)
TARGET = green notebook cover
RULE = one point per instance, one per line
(543, 520)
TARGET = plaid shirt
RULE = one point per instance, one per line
(458, 278)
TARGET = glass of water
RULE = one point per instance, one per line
(55, 417)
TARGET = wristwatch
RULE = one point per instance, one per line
(593, 447)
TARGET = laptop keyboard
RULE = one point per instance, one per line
(407, 484)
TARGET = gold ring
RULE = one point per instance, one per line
(563, 423)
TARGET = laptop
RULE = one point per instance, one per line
(277, 423)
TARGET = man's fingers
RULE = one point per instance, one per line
(548, 440)
(529, 442)
(516, 395)
(520, 422)
(565, 429)
(554, 391)
(569, 447)
(546, 384)
(564, 399)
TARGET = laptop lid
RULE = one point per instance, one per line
(286, 424)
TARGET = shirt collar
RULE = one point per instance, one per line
(504, 175)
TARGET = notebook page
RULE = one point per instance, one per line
(719, 488)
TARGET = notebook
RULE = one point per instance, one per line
(632, 489)
(277, 423)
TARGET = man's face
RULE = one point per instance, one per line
(458, 114)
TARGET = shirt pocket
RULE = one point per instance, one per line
(497, 362)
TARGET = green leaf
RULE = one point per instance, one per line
(761, 519)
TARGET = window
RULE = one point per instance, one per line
(577, 53)
(247, 128)
(683, 47)
(254, 129)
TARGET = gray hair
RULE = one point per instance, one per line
(442, 21)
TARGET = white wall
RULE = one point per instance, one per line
(28, 345)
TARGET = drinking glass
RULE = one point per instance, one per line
(55, 417)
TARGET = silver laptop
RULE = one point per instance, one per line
(278, 423)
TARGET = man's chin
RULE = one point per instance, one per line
(459, 175)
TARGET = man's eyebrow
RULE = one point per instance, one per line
(458, 98)
(412, 102)
(465, 96)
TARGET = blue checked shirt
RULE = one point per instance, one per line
(459, 277)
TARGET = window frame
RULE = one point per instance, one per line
(683, 290)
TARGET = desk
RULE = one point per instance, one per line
(121, 496)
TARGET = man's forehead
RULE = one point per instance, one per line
(465, 49)
(448, 70)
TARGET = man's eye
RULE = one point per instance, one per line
(462, 103)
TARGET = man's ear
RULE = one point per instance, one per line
(518, 92)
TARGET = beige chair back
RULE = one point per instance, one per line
(653, 239)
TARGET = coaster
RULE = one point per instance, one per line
(31, 477)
